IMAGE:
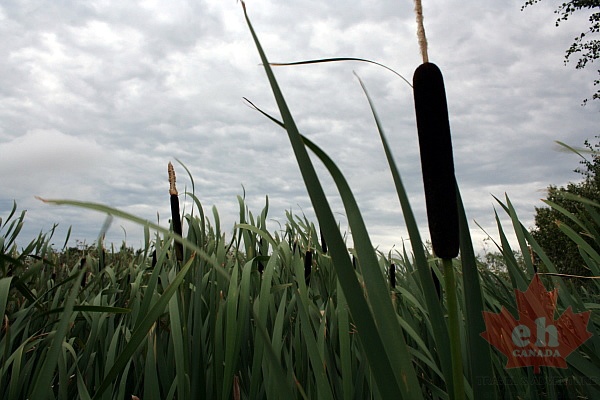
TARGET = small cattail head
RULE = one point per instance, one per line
(307, 265)
(172, 180)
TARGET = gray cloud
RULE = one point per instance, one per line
(97, 97)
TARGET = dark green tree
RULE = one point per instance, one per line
(561, 250)
(586, 45)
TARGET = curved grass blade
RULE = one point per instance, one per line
(434, 308)
(335, 59)
(389, 382)
(377, 290)
(88, 308)
(260, 232)
(478, 349)
(146, 224)
(4, 290)
(519, 233)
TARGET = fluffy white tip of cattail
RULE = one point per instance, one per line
(421, 31)
(172, 180)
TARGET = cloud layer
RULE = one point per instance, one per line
(97, 97)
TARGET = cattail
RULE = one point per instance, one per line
(436, 159)
(435, 144)
(101, 258)
(307, 266)
(82, 263)
(393, 276)
(175, 218)
(437, 165)
(261, 267)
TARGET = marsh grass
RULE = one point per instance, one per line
(217, 325)
(238, 318)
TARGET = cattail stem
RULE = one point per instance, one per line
(82, 263)
(175, 217)
(261, 266)
(454, 330)
(421, 31)
(437, 164)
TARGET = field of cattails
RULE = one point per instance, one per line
(292, 312)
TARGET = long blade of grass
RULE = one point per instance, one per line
(377, 290)
(336, 59)
(434, 307)
(4, 290)
(478, 349)
(179, 348)
(146, 224)
(345, 345)
(95, 309)
(389, 382)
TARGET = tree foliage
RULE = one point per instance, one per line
(585, 45)
(562, 251)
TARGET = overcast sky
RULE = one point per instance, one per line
(96, 97)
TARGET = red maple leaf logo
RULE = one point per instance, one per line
(536, 339)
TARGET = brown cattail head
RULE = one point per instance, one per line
(307, 266)
(437, 162)
(172, 180)
(175, 218)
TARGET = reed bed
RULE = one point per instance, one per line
(274, 313)
(218, 325)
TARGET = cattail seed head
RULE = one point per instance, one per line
(307, 266)
(437, 162)
(172, 180)
(175, 217)
(421, 31)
